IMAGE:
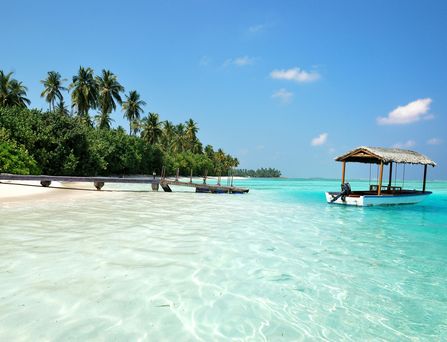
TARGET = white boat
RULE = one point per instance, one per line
(379, 194)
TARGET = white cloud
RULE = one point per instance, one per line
(434, 141)
(256, 28)
(283, 95)
(239, 61)
(295, 74)
(411, 112)
(406, 144)
(245, 60)
(320, 140)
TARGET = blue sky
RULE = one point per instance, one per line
(285, 84)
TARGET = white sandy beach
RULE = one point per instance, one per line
(19, 191)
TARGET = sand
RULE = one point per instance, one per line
(32, 191)
(20, 191)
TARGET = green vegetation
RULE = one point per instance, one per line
(55, 142)
(12, 92)
(14, 158)
(53, 88)
(262, 172)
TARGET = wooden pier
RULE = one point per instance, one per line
(155, 182)
(213, 188)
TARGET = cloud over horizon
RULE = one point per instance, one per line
(295, 74)
(320, 140)
(411, 112)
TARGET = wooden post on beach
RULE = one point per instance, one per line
(343, 169)
(154, 185)
(98, 185)
(379, 186)
(391, 176)
(190, 177)
(425, 178)
(177, 173)
(45, 183)
(204, 177)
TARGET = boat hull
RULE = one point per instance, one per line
(373, 200)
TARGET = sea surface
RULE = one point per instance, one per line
(276, 264)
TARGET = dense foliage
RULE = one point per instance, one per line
(62, 145)
(14, 158)
(69, 142)
(57, 143)
(262, 172)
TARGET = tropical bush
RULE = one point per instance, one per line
(15, 158)
(262, 173)
(64, 143)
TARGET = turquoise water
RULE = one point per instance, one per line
(275, 264)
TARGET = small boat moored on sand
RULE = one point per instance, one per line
(379, 194)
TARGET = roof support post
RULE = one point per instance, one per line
(343, 169)
(391, 176)
(379, 186)
(425, 178)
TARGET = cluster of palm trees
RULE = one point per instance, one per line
(88, 92)
(104, 93)
(172, 138)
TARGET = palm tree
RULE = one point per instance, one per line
(12, 92)
(168, 136)
(53, 88)
(151, 128)
(109, 90)
(85, 92)
(132, 107)
(61, 109)
(103, 120)
(197, 146)
(5, 80)
(135, 126)
(18, 93)
(179, 144)
(209, 151)
(191, 131)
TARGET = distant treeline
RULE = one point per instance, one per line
(262, 172)
(69, 141)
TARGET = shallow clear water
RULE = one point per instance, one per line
(275, 264)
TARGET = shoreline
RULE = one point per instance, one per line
(27, 191)
(14, 192)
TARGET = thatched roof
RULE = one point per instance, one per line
(375, 155)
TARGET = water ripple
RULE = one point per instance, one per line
(183, 266)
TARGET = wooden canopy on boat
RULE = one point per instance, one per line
(378, 155)
(384, 156)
